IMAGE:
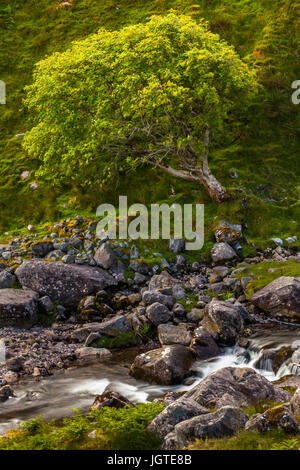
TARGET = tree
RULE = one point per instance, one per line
(157, 93)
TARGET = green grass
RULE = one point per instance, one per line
(116, 429)
(244, 440)
(262, 276)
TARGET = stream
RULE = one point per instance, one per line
(59, 395)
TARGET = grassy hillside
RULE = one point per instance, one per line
(265, 154)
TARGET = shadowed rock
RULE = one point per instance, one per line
(18, 308)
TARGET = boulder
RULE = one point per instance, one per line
(171, 334)
(203, 344)
(41, 248)
(178, 411)
(224, 320)
(111, 399)
(235, 386)
(158, 313)
(225, 422)
(18, 308)
(222, 252)
(278, 417)
(167, 365)
(161, 281)
(280, 298)
(114, 326)
(67, 283)
(295, 403)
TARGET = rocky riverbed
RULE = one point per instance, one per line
(70, 301)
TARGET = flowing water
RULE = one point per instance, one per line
(59, 395)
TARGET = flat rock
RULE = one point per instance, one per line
(18, 308)
(67, 283)
(90, 354)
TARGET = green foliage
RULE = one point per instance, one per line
(124, 339)
(145, 92)
(267, 271)
(116, 429)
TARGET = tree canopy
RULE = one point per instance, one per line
(157, 93)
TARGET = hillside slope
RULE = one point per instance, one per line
(265, 155)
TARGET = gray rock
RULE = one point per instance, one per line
(150, 297)
(224, 422)
(195, 315)
(41, 249)
(7, 279)
(203, 344)
(105, 256)
(178, 411)
(222, 252)
(167, 365)
(171, 334)
(280, 298)
(91, 354)
(178, 309)
(134, 252)
(18, 308)
(158, 313)
(114, 326)
(224, 320)
(63, 282)
(235, 387)
(68, 259)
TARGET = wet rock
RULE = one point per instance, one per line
(171, 334)
(158, 313)
(167, 365)
(280, 298)
(224, 422)
(111, 399)
(203, 344)
(224, 320)
(295, 403)
(235, 387)
(5, 393)
(175, 413)
(41, 248)
(278, 417)
(222, 252)
(66, 283)
(18, 308)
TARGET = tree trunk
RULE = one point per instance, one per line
(205, 177)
